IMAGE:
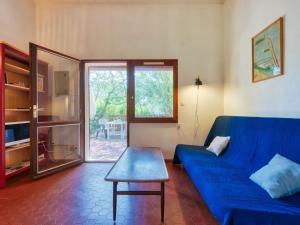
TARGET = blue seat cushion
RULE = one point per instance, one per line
(228, 190)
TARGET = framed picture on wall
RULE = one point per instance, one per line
(267, 52)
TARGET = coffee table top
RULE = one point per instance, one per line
(139, 165)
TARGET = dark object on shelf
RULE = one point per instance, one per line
(5, 78)
(16, 132)
(9, 135)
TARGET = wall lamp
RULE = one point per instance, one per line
(198, 82)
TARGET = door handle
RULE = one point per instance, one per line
(34, 111)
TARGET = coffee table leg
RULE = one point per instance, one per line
(115, 184)
(162, 201)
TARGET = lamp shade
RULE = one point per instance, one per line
(198, 82)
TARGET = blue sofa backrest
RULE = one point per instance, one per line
(255, 140)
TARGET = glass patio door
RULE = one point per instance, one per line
(57, 119)
(107, 113)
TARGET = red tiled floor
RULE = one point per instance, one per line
(81, 196)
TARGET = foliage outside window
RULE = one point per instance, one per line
(108, 90)
(154, 91)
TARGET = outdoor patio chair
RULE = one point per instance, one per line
(102, 128)
(116, 128)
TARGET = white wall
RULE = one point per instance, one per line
(17, 22)
(275, 97)
(193, 33)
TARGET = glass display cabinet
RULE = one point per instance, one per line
(40, 111)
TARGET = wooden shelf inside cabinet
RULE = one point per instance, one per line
(17, 147)
(16, 123)
(18, 110)
(17, 171)
(16, 69)
(17, 142)
(17, 87)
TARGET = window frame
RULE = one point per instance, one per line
(131, 79)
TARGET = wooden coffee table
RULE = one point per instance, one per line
(138, 165)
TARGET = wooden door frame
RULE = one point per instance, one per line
(86, 61)
(153, 63)
(131, 63)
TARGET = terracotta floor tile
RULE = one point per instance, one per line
(81, 196)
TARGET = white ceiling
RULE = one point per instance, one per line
(134, 1)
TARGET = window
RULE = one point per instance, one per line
(153, 92)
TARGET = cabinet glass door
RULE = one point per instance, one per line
(57, 120)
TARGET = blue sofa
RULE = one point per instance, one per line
(224, 182)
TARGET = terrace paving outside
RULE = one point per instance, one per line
(102, 149)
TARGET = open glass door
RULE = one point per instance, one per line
(57, 132)
(106, 121)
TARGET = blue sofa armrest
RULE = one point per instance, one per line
(188, 150)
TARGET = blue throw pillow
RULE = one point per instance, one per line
(280, 177)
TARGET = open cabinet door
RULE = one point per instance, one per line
(57, 126)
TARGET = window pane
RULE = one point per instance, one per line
(57, 146)
(57, 88)
(153, 92)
